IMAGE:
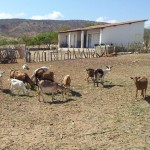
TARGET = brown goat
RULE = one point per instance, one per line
(17, 74)
(48, 86)
(141, 84)
(42, 74)
(66, 83)
(89, 74)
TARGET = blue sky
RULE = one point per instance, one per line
(95, 10)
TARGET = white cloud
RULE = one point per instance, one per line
(104, 19)
(147, 24)
(101, 19)
(10, 16)
(55, 15)
(5, 16)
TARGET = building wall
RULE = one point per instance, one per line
(123, 34)
(92, 38)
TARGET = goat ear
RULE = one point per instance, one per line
(138, 77)
(131, 77)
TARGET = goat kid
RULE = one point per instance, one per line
(20, 75)
(25, 67)
(45, 86)
(141, 83)
(89, 74)
(99, 74)
(1, 79)
(66, 83)
(18, 85)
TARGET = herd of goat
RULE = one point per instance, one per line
(44, 80)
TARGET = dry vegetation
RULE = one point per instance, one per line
(92, 118)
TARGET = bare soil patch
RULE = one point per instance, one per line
(108, 117)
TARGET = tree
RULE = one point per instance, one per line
(47, 38)
(25, 39)
(147, 37)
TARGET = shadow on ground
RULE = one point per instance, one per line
(147, 98)
(60, 101)
(7, 91)
(75, 93)
(108, 86)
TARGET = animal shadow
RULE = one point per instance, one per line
(147, 98)
(108, 86)
(6, 91)
(75, 93)
(61, 101)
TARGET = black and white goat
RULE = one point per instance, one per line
(99, 74)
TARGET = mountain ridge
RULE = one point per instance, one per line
(18, 27)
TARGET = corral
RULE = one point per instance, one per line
(108, 117)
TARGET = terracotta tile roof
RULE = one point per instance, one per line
(103, 26)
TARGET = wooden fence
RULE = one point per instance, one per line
(52, 55)
(8, 55)
(41, 55)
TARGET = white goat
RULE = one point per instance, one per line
(100, 74)
(18, 85)
(25, 66)
(1, 79)
(45, 86)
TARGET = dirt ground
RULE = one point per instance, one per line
(92, 118)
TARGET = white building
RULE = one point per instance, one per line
(120, 34)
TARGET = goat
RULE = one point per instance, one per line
(42, 74)
(25, 66)
(35, 71)
(66, 83)
(141, 83)
(89, 74)
(17, 85)
(16, 74)
(48, 86)
(1, 79)
(100, 74)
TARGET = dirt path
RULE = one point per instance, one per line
(91, 118)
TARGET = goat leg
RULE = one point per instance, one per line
(145, 93)
(136, 92)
